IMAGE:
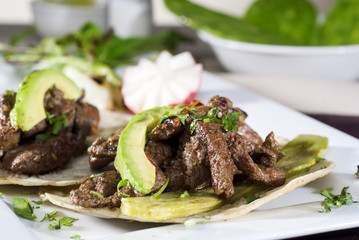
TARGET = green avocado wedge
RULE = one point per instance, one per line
(131, 160)
(301, 163)
(29, 104)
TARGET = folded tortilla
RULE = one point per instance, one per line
(60, 197)
(77, 169)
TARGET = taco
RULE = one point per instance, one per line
(43, 129)
(200, 162)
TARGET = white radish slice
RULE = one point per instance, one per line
(170, 80)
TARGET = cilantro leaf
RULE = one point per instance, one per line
(230, 121)
(23, 208)
(251, 198)
(332, 200)
(184, 194)
(50, 216)
(97, 194)
(159, 192)
(76, 237)
(0, 194)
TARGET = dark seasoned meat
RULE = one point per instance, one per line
(102, 151)
(257, 173)
(219, 158)
(105, 185)
(250, 136)
(168, 129)
(267, 153)
(196, 164)
(9, 136)
(174, 169)
(157, 153)
(42, 156)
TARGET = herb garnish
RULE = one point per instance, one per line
(337, 201)
(23, 208)
(159, 192)
(122, 183)
(97, 194)
(76, 237)
(57, 124)
(181, 116)
(0, 194)
(9, 92)
(228, 121)
(56, 224)
(184, 194)
(251, 198)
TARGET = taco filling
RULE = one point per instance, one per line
(41, 126)
(198, 147)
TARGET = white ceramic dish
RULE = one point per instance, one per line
(54, 19)
(295, 214)
(326, 63)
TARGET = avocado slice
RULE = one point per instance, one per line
(29, 104)
(131, 160)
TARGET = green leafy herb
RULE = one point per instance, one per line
(336, 201)
(319, 159)
(37, 202)
(97, 194)
(206, 219)
(76, 237)
(122, 183)
(58, 124)
(251, 198)
(230, 121)
(181, 116)
(43, 136)
(23, 208)
(9, 92)
(56, 224)
(0, 194)
(50, 216)
(65, 221)
(184, 194)
(159, 192)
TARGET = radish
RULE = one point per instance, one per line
(170, 80)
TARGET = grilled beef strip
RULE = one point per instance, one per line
(103, 151)
(9, 136)
(209, 156)
(31, 156)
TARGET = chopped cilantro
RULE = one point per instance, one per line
(56, 224)
(181, 116)
(43, 136)
(50, 216)
(59, 124)
(97, 194)
(76, 237)
(159, 192)
(23, 208)
(184, 194)
(319, 159)
(0, 194)
(9, 92)
(337, 201)
(37, 202)
(230, 121)
(206, 219)
(65, 221)
(122, 183)
(251, 198)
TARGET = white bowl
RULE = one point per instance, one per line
(55, 20)
(329, 63)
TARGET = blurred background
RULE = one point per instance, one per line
(300, 72)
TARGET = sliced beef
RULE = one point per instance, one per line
(267, 154)
(196, 164)
(157, 153)
(9, 136)
(103, 151)
(219, 158)
(168, 129)
(257, 173)
(105, 185)
(41, 156)
(174, 169)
